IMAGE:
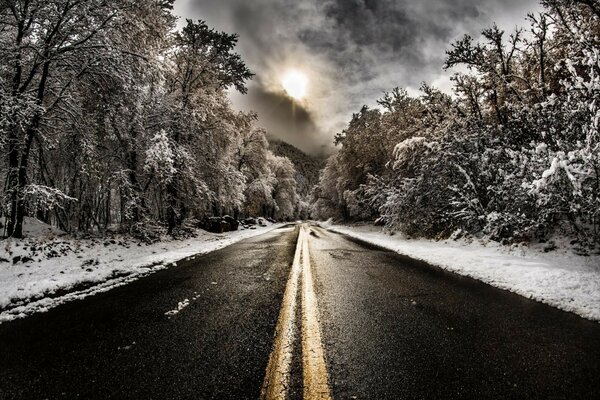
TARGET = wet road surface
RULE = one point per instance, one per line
(388, 327)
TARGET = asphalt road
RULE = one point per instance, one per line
(391, 328)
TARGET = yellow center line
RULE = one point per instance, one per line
(316, 385)
(277, 376)
(315, 376)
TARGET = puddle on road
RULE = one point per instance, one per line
(340, 254)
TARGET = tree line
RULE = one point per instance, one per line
(111, 118)
(514, 155)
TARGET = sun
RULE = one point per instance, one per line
(295, 84)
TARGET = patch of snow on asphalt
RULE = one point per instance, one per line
(180, 306)
(558, 278)
(37, 274)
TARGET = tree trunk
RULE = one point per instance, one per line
(13, 168)
(171, 212)
(17, 213)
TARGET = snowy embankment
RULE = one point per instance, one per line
(558, 278)
(42, 272)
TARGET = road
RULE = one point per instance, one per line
(301, 312)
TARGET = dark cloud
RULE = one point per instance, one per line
(353, 51)
(370, 34)
(372, 23)
(286, 119)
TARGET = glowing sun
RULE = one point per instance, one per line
(295, 84)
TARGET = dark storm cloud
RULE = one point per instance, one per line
(392, 28)
(371, 35)
(287, 120)
(353, 50)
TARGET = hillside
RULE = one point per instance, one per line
(307, 166)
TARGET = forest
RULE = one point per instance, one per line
(111, 119)
(512, 155)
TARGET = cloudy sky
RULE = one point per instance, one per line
(351, 51)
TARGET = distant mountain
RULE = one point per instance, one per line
(307, 166)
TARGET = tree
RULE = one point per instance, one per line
(284, 191)
(203, 66)
(48, 47)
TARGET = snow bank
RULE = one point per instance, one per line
(38, 274)
(558, 278)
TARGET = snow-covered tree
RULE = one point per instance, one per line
(285, 194)
(514, 156)
(110, 118)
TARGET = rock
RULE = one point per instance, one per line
(22, 259)
(215, 225)
(234, 224)
(549, 247)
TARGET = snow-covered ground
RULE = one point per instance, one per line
(44, 271)
(558, 278)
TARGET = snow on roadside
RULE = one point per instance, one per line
(36, 275)
(558, 278)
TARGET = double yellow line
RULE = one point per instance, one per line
(315, 376)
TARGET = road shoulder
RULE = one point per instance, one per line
(559, 279)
